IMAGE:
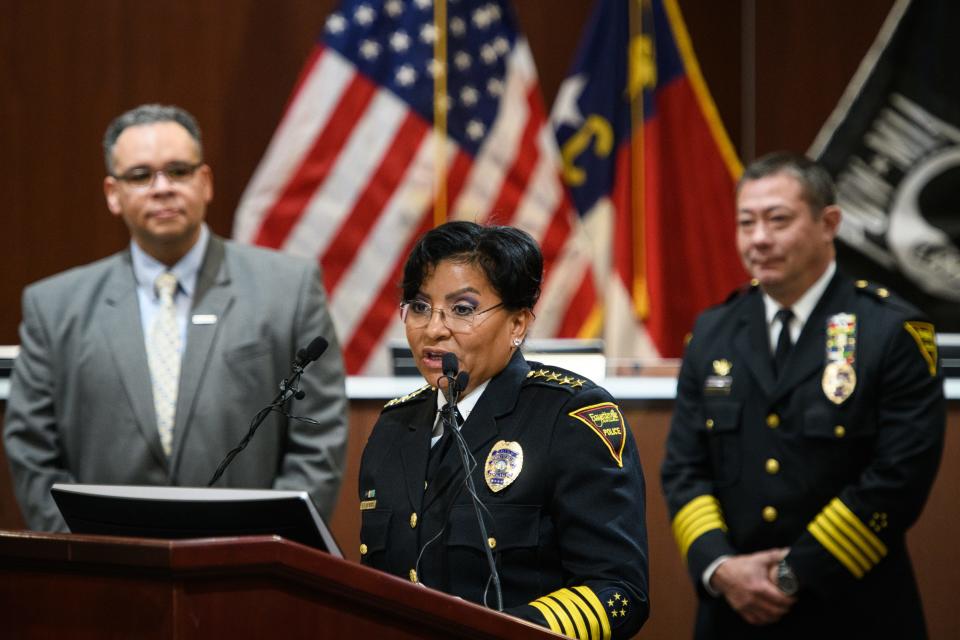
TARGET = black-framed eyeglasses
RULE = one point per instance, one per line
(143, 177)
(460, 318)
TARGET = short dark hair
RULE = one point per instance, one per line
(509, 257)
(816, 183)
(148, 114)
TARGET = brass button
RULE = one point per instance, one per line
(773, 466)
(709, 423)
(861, 284)
(363, 549)
(413, 520)
(769, 514)
(883, 293)
(413, 575)
(773, 421)
(839, 431)
(492, 542)
(754, 282)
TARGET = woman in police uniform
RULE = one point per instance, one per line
(556, 467)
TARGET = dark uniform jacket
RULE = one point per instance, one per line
(756, 462)
(567, 527)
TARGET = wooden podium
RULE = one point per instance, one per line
(63, 585)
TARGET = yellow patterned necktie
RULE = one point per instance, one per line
(163, 354)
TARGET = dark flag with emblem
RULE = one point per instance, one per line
(893, 147)
(651, 172)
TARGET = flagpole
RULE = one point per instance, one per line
(440, 112)
(636, 87)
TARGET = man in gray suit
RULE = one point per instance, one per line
(124, 380)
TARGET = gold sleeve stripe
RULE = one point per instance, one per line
(582, 614)
(697, 517)
(852, 552)
(687, 542)
(698, 503)
(837, 552)
(573, 612)
(551, 619)
(587, 594)
(565, 623)
(868, 536)
(872, 557)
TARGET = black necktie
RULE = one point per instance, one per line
(784, 343)
(438, 450)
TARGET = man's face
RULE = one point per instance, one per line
(783, 243)
(165, 215)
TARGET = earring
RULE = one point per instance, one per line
(516, 342)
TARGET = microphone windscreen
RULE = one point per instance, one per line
(312, 351)
(450, 364)
(463, 379)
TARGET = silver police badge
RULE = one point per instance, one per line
(503, 465)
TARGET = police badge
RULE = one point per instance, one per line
(503, 465)
(839, 377)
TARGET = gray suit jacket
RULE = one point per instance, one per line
(81, 404)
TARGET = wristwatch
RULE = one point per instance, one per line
(787, 579)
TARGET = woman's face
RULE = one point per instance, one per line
(484, 349)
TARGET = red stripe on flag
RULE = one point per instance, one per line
(383, 310)
(286, 212)
(579, 307)
(690, 259)
(517, 178)
(355, 226)
(369, 333)
(555, 236)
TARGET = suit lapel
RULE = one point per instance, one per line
(213, 296)
(752, 342)
(123, 334)
(809, 354)
(416, 447)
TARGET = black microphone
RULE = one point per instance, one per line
(289, 388)
(311, 352)
(456, 383)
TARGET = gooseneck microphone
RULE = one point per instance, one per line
(456, 383)
(289, 389)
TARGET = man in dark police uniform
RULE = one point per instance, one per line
(807, 432)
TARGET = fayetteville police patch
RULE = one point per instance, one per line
(607, 422)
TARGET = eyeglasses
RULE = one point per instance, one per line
(460, 318)
(143, 177)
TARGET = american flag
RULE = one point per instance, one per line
(360, 166)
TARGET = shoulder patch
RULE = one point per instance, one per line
(556, 378)
(926, 338)
(607, 422)
(408, 397)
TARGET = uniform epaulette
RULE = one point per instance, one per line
(410, 396)
(882, 294)
(742, 290)
(553, 377)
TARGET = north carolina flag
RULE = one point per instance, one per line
(408, 114)
(652, 172)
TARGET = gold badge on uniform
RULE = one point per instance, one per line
(503, 465)
(721, 381)
(839, 377)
